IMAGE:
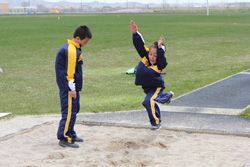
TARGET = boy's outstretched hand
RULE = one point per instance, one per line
(161, 41)
(133, 27)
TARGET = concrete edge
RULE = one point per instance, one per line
(108, 112)
(200, 110)
(23, 131)
(187, 130)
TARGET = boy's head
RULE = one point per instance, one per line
(153, 53)
(82, 35)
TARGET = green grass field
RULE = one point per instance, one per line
(201, 50)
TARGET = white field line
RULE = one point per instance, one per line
(247, 73)
(4, 114)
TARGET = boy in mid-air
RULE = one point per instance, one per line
(148, 75)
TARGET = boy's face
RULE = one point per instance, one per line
(82, 42)
(152, 55)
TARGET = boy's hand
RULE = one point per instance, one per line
(72, 94)
(133, 27)
(161, 41)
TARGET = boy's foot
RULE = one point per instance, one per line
(67, 144)
(77, 139)
(156, 127)
(165, 98)
(171, 95)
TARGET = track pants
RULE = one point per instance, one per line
(151, 106)
(69, 109)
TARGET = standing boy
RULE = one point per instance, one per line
(148, 75)
(68, 66)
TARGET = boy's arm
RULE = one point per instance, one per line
(161, 59)
(138, 40)
(71, 70)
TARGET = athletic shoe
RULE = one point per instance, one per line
(171, 95)
(164, 98)
(156, 127)
(64, 143)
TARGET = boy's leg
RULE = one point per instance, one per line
(151, 106)
(72, 131)
(73, 117)
(66, 111)
(158, 112)
(75, 110)
(165, 98)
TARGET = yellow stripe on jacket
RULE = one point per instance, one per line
(155, 68)
(71, 62)
(146, 48)
(144, 60)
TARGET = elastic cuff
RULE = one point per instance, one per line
(163, 48)
(71, 85)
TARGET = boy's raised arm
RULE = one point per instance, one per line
(161, 59)
(138, 40)
(133, 27)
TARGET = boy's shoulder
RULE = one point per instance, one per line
(64, 47)
(62, 50)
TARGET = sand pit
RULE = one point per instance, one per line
(123, 147)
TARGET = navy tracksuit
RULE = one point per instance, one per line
(68, 67)
(149, 77)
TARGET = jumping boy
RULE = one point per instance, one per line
(68, 67)
(148, 75)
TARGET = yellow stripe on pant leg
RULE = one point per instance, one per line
(66, 128)
(152, 104)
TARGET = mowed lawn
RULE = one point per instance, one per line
(201, 50)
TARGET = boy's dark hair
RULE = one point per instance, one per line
(154, 45)
(83, 32)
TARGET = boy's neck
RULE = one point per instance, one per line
(76, 41)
